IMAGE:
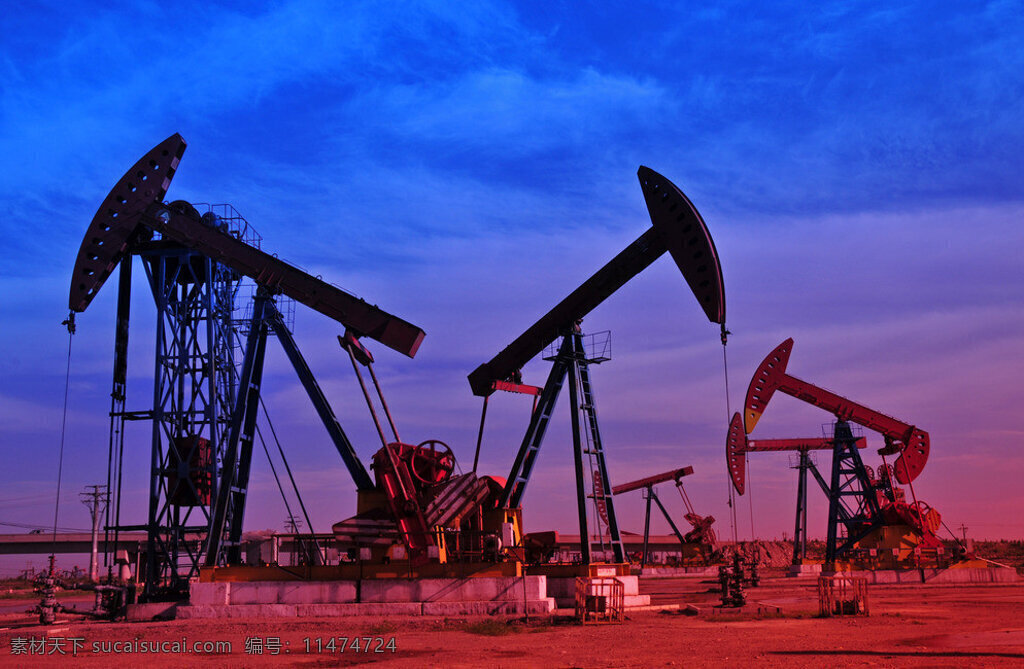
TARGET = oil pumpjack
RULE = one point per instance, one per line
(677, 228)
(873, 510)
(204, 411)
(697, 545)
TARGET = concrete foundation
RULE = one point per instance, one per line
(432, 597)
(937, 576)
(535, 594)
(804, 570)
(676, 572)
(563, 590)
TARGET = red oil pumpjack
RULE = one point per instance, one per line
(872, 509)
(699, 544)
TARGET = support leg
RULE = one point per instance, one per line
(800, 529)
(647, 526)
(577, 457)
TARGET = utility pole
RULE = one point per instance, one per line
(293, 523)
(95, 499)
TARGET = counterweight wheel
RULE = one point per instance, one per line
(432, 462)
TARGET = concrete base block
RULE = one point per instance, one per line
(936, 576)
(972, 575)
(535, 607)
(564, 592)
(454, 589)
(804, 570)
(197, 611)
(237, 611)
(212, 594)
(337, 610)
(390, 609)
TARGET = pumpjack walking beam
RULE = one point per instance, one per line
(678, 228)
(910, 442)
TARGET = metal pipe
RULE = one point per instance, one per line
(480, 435)
(383, 402)
(366, 394)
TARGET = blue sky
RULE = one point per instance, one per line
(466, 166)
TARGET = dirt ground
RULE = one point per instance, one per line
(934, 626)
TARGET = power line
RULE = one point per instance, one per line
(30, 526)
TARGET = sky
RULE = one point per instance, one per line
(466, 166)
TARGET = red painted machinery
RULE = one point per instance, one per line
(908, 441)
(435, 513)
(872, 508)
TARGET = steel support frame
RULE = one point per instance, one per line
(650, 494)
(571, 362)
(192, 394)
(225, 532)
(118, 392)
(849, 481)
(316, 395)
(224, 535)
